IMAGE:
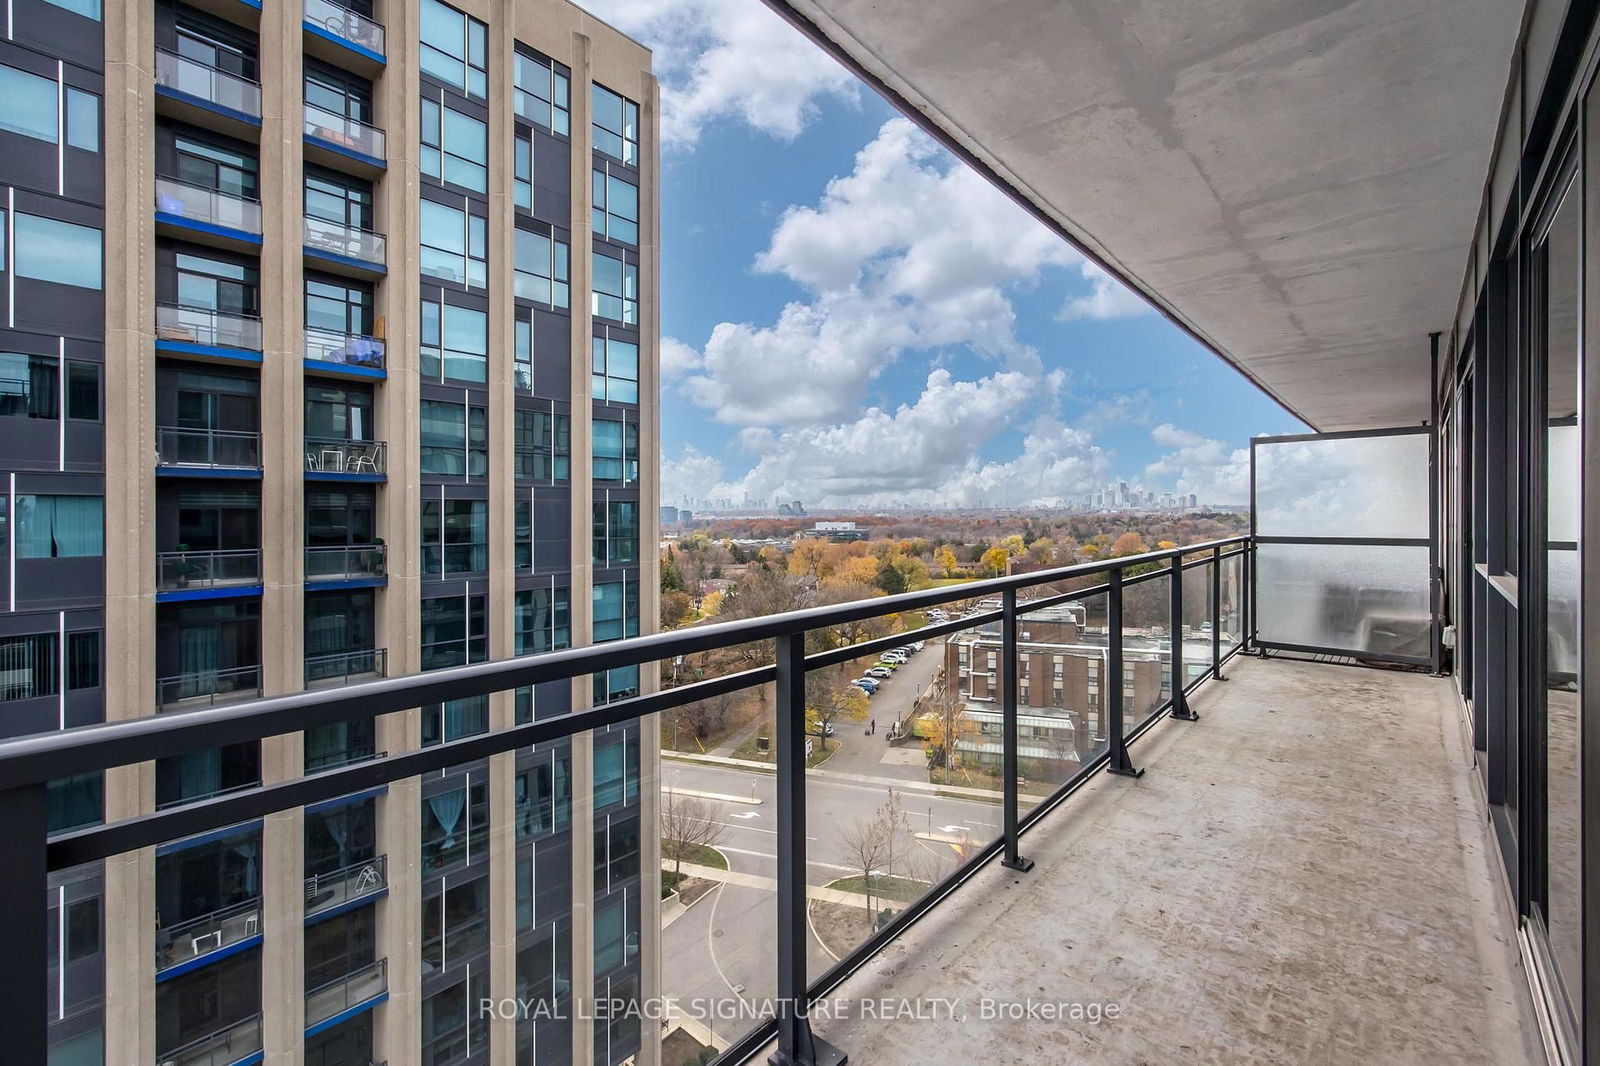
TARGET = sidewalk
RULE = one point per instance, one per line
(768, 884)
(925, 787)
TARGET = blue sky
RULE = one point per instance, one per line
(851, 318)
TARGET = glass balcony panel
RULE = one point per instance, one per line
(208, 686)
(342, 22)
(208, 448)
(343, 132)
(345, 562)
(207, 569)
(347, 666)
(1061, 653)
(193, 78)
(353, 882)
(199, 204)
(201, 936)
(1365, 598)
(346, 349)
(222, 1048)
(335, 997)
(325, 455)
(207, 326)
(334, 238)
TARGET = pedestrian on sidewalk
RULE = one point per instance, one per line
(874, 726)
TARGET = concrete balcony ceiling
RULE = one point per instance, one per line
(1295, 182)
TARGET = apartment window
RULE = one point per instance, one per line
(89, 9)
(339, 837)
(542, 269)
(615, 370)
(544, 794)
(616, 846)
(541, 93)
(28, 666)
(47, 249)
(544, 620)
(59, 527)
(339, 412)
(455, 923)
(542, 443)
(454, 719)
(30, 387)
(337, 518)
(339, 946)
(616, 769)
(344, 201)
(616, 932)
(455, 821)
(522, 171)
(455, 48)
(192, 882)
(455, 342)
(454, 632)
(615, 215)
(338, 93)
(616, 451)
(522, 523)
(214, 165)
(339, 744)
(618, 684)
(455, 536)
(453, 1028)
(522, 354)
(455, 146)
(616, 125)
(616, 610)
(454, 439)
(32, 109)
(341, 623)
(337, 309)
(616, 532)
(616, 290)
(454, 245)
(209, 283)
(216, 48)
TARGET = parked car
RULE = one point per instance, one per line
(888, 664)
(867, 684)
(918, 646)
(879, 671)
(894, 657)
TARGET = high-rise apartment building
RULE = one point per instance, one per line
(329, 353)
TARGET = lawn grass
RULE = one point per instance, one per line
(884, 886)
(747, 750)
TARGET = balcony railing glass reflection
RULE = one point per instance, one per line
(201, 936)
(347, 666)
(343, 132)
(204, 687)
(193, 78)
(208, 326)
(348, 242)
(344, 23)
(336, 997)
(177, 446)
(196, 203)
(345, 349)
(353, 882)
(346, 561)
(207, 569)
(223, 1048)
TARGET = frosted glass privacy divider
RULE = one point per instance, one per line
(1359, 486)
(1351, 597)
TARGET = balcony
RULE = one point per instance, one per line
(208, 332)
(193, 86)
(366, 987)
(237, 1043)
(345, 354)
(343, 140)
(350, 30)
(361, 880)
(205, 688)
(205, 572)
(343, 667)
(347, 562)
(188, 941)
(363, 251)
(208, 215)
(207, 452)
(328, 459)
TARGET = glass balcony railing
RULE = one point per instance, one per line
(206, 448)
(345, 24)
(346, 561)
(347, 666)
(326, 456)
(222, 1048)
(344, 132)
(346, 349)
(201, 936)
(350, 242)
(335, 997)
(358, 880)
(196, 203)
(193, 78)
(202, 688)
(208, 326)
(207, 569)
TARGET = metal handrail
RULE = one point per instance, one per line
(343, 665)
(207, 933)
(185, 199)
(194, 78)
(347, 349)
(331, 455)
(27, 763)
(366, 877)
(344, 131)
(204, 1051)
(343, 239)
(354, 560)
(170, 691)
(207, 569)
(188, 446)
(207, 325)
(375, 976)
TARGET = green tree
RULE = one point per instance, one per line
(890, 579)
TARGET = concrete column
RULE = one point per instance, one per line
(130, 511)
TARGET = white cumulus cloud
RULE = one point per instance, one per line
(1107, 298)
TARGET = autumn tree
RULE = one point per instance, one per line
(688, 823)
(676, 607)
(1041, 552)
(1130, 543)
(843, 590)
(947, 561)
(1013, 544)
(946, 721)
(993, 563)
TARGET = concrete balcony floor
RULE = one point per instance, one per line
(1302, 876)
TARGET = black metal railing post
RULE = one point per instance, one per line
(1246, 596)
(1180, 702)
(1216, 614)
(24, 881)
(797, 1046)
(1111, 683)
(1008, 730)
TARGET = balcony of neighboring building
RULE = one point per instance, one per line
(343, 998)
(208, 647)
(192, 329)
(359, 882)
(345, 34)
(344, 142)
(206, 214)
(341, 246)
(232, 1045)
(189, 88)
